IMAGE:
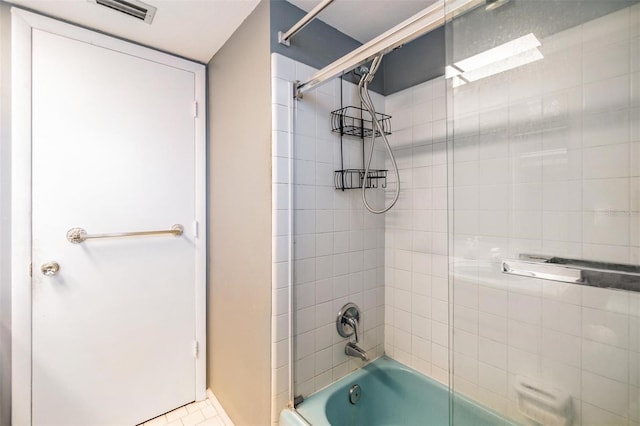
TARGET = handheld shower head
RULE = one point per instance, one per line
(367, 74)
(376, 130)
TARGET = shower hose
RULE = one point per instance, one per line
(367, 103)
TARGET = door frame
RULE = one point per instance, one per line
(22, 25)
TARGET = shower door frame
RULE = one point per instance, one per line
(22, 25)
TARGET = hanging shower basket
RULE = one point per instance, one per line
(349, 121)
(354, 179)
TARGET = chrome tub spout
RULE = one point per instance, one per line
(354, 350)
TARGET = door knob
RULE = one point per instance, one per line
(50, 268)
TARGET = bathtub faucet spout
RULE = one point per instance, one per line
(348, 324)
(354, 350)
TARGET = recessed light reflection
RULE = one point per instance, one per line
(507, 56)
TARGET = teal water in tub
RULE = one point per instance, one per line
(393, 394)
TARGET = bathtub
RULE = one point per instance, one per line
(390, 394)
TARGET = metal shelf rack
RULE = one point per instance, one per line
(349, 121)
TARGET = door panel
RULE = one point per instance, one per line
(113, 151)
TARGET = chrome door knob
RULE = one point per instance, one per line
(50, 268)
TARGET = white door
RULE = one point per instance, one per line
(113, 150)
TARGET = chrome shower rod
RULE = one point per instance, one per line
(419, 24)
(283, 38)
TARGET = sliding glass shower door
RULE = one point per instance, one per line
(544, 209)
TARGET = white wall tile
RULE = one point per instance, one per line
(605, 327)
(606, 128)
(635, 80)
(593, 416)
(605, 360)
(280, 274)
(525, 308)
(605, 393)
(522, 362)
(562, 347)
(492, 353)
(493, 327)
(493, 379)
(606, 253)
(283, 67)
(610, 94)
(524, 336)
(563, 317)
(606, 194)
(440, 357)
(562, 226)
(605, 62)
(606, 228)
(491, 300)
(606, 161)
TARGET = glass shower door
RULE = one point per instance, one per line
(544, 202)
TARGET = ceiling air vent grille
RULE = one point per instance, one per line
(134, 8)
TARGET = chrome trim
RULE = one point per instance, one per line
(544, 271)
(419, 24)
(575, 271)
(351, 349)
(354, 393)
(283, 38)
(79, 235)
(348, 320)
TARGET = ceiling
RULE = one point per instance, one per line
(194, 29)
(365, 19)
(197, 29)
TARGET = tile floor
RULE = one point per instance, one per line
(201, 413)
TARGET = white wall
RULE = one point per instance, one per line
(546, 161)
(339, 248)
(416, 285)
(5, 212)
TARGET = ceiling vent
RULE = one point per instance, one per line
(134, 8)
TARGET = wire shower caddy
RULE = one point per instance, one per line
(350, 121)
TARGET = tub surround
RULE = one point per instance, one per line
(338, 247)
(416, 269)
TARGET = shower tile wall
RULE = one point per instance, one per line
(416, 292)
(339, 248)
(546, 160)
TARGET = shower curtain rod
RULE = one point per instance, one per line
(283, 38)
(414, 27)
